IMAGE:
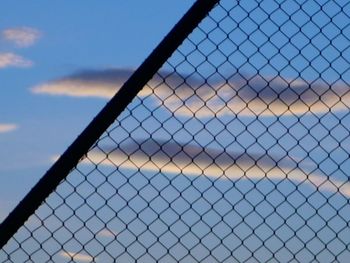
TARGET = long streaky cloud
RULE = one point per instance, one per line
(76, 257)
(13, 60)
(7, 127)
(174, 158)
(22, 36)
(190, 95)
(101, 84)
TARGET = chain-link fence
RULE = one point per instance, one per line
(237, 150)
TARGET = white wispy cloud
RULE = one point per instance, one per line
(6, 127)
(174, 158)
(76, 257)
(9, 59)
(22, 36)
(187, 95)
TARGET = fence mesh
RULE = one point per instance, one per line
(236, 151)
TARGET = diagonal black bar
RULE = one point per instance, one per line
(103, 120)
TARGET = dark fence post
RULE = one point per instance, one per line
(103, 120)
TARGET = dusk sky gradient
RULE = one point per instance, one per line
(252, 107)
(43, 41)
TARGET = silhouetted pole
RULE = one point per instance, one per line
(70, 158)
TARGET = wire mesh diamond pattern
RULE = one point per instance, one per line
(236, 151)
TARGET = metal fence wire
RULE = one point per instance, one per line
(237, 150)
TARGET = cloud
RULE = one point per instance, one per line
(258, 97)
(107, 233)
(22, 36)
(12, 60)
(77, 257)
(192, 160)
(7, 127)
(101, 84)
(191, 95)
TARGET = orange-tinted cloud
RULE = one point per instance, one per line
(190, 95)
(77, 257)
(107, 233)
(7, 127)
(101, 84)
(174, 158)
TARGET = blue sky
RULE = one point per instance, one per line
(56, 54)
(269, 90)
(64, 37)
